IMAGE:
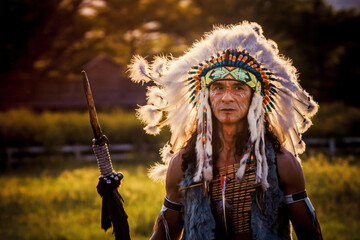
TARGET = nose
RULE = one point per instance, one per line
(227, 97)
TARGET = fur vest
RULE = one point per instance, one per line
(270, 221)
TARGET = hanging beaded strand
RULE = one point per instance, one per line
(204, 125)
(250, 160)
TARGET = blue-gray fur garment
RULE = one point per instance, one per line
(272, 222)
(199, 223)
(269, 223)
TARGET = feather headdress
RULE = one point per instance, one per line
(180, 97)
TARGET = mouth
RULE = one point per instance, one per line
(227, 110)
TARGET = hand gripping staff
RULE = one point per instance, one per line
(112, 203)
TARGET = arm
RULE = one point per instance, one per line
(173, 218)
(292, 181)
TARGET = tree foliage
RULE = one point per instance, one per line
(41, 36)
(55, 38)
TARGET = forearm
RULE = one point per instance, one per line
(159, 230)
(304, 220)
(168, 225)
(306, 233)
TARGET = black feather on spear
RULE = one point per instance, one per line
(112, 212)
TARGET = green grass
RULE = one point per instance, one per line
(61, 202)
(22, 127)
(334, 189)
(58, 199)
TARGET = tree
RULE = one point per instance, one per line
(143, 27)
(42, 36)
(54, 38)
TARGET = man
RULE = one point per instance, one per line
(236, 113)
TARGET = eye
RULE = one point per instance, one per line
(217, 87)
(238, 87)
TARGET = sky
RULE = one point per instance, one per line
(345, 4)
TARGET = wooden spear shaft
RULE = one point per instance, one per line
(91, 106)
(100, 141)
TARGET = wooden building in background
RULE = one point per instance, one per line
(109, 82)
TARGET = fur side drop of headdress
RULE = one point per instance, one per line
(179, 101)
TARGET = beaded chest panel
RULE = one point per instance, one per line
(238, 194)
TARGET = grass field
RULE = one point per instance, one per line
(58, 199)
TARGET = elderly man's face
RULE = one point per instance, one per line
(230, 100)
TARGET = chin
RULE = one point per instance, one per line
(229, 119)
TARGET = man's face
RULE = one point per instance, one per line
(230, 100)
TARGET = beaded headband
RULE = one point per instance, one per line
(232, 73)
(234, 65)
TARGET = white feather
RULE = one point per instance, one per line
(264, 182)
(241, 171)
(200, 151)
(149, 114)
(297, 141)
(208, 170)
(253, 115)
(158, 172)
(166, 153)
(208, 173)
(156, 96)
(304, 125)
(159, 65)
(139, 70)
(152, 129)
(200, 158)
